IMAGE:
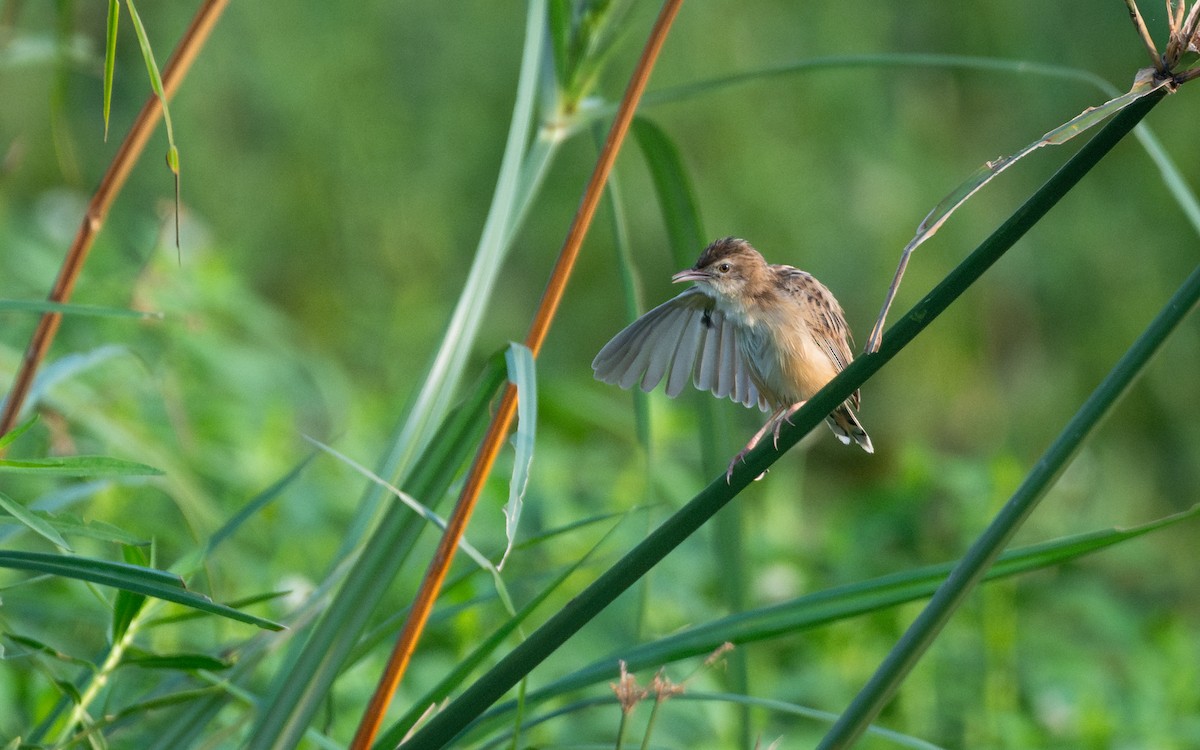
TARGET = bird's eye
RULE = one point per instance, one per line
(724, 268)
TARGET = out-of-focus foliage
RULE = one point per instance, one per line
(338, 168)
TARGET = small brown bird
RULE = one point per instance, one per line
(764, 335)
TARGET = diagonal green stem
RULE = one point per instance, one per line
(457, 716)
(979, 558)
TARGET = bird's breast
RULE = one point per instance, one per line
(787, 363)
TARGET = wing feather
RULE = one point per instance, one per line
(683, 339)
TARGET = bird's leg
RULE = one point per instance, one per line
(754, 441)
(786, 416)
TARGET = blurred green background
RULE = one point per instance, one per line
(337, 166)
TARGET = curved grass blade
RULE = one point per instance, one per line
(139, 580)
(257, 503)
(522, 373)
(33, 522)
(70, 525)
(9, 438)
(934, 220)
(979, 558)
(421, 510)
(630, 286)
(672, 532)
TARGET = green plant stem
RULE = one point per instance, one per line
(455, 718)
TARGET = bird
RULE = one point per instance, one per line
(762, 334)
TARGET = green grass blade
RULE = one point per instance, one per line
(974, 565)
(32, 521)
(151, 68)
(77, 466)
(522, 373)
(174, 662)
(11, 437)
(581, 610)
(676, 199)
(110, 57)
(630, 286)
(139, 580)
(256, 504)
(127, 604)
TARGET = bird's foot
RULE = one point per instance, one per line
(786, 417)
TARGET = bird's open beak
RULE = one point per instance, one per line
(689, 274)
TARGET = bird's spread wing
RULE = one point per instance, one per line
(685, 338)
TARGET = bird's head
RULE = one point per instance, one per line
(727, 269)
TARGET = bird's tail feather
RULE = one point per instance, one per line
(846, 426)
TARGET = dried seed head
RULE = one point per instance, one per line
(718, 654)
(627, 690)
(663, 687)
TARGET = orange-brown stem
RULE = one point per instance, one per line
(110, 185)
(494, 438)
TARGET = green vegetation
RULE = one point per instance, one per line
(372, 197)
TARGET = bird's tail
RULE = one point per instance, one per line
(846, 426)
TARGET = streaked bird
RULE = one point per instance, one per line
(764, 335)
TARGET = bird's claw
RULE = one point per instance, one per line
(739, 458)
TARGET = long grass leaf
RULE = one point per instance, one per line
(77, 466)
(157, 85)
(141, 580)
